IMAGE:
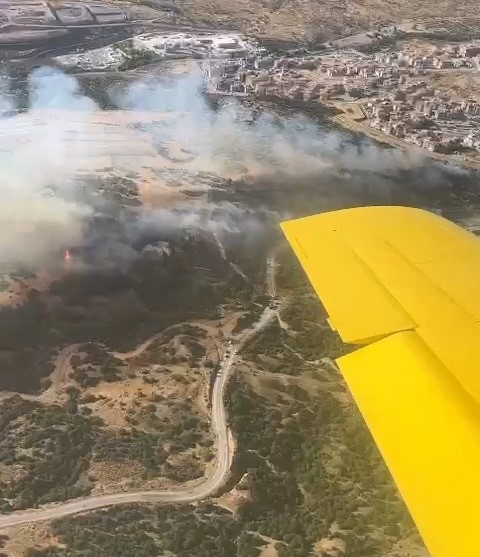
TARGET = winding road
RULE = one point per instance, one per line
(208, 487)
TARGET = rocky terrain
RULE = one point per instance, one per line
(298, 21)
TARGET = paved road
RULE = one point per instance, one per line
(156, 21)
(185, 495)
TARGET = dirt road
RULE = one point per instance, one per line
(271, 276)
(185, 495)
(61, 372)
(271, 268)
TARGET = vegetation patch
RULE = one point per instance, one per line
(149, 531)
(53, 448)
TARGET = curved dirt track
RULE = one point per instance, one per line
(183, 495)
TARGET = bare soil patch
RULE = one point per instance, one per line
(460, 84)
(27, 536)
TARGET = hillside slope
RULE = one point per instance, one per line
(316, 20)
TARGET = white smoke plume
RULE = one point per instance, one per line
(38, 216)
(230, 140)
(6, 102)
(40, 153)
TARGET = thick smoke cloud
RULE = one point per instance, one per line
(52, 89)
(233, 140)
(151, 232)
(38, 216)
(222, 219)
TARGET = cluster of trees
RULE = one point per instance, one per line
(184, 468)
(177, 421)
(53, 447)
(185, 428)
(89, 376)
(148, 531)
(156, 433)
(95, 364)
(165, 350)
(134, 57)
(128, 445)
(271, 342)
(10, 411)
(297, 492)
(123, 531)
(197, 350)
(244, 322)
(289, 275)
(323, 447)
(315, 339)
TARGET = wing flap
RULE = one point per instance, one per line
(330, 263)
(382, 270)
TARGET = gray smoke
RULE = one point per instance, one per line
(221, 218)
(38, 216)
(232, 141)
(40, 153)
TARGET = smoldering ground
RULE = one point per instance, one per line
(116, 243)
(41, 213)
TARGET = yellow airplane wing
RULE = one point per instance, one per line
(405, 283)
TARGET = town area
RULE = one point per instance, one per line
(409, 84)
(422, 92)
